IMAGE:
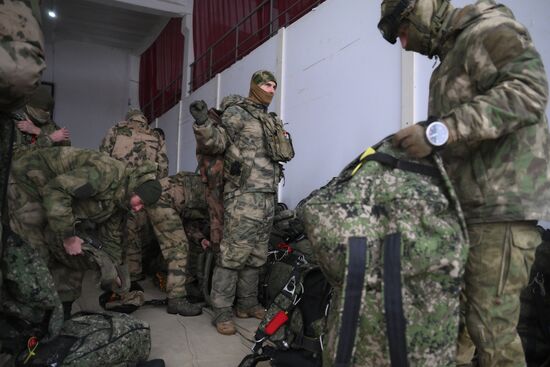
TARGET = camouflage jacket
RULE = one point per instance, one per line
(183, 195)
(247, 166)
(78, 185)
(22, 55)
(25, 142)
(135, 142)
(491, 90)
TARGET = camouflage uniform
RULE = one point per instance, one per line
(134, 142)
(21, 65)
(182, 200)
(251, 179)
(490, 90)
(58, 188)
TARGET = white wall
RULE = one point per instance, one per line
(341, 92)
(341, 85)
(92, 88)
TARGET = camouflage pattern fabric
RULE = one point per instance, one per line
(373, 202)
(251, 178)
(499, 160)
(247, 166)
(56, 188)
(21, 53)
(491, 91)
(25, 142)
(182, 200)
(95, 339)
(211, 171)
(134, 142)
(29, 294)
(497, 269)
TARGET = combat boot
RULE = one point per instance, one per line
(257, 311)
(183, 307)
(226, 327)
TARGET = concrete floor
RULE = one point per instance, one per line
(182, 341)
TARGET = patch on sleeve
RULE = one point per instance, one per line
(84, 191)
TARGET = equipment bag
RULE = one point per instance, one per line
(534, 319)
(92, 339)
(295, 319)
(389, 235)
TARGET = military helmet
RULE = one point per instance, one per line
(392, 10)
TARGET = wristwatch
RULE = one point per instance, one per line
(437, 134)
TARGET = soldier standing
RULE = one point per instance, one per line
(38, 130)
(134, 142)
(182, 196)
(488, 99)
(62, 192)
(251, 175)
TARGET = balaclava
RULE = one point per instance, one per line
(40, 106)
(424, 18)
(256, 93)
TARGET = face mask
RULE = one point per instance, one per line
(259, 95)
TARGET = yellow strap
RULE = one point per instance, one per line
(365, 154)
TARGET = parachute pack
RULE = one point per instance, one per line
(298, 295)
(389, 235)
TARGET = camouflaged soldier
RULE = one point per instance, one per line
(489, 96)
(182, 199)
(21, 65)
(37, 129)
(251, 177)
(134, 142)
(62, 193)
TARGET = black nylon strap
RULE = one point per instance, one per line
(388, 160)
(393, 302)
(352, 303)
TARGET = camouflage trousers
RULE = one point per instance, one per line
(174, 245)
(139, 234)
(497, 269)
(248, 219)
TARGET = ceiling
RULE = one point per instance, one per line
(123, 24)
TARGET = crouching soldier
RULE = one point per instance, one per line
(57, 191)
(183, 197)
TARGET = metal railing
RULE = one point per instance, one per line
(207, 65)
(165, 99)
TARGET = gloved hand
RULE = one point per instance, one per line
(413, 140)
(199, 111)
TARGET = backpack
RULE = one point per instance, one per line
(92, 339)
(389, 235)
(534, 318)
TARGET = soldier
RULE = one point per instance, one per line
(21, 65)
(63, 192)
(488, 98)
(134, 142)
(38, 130)
(182, 196)
(251, 174)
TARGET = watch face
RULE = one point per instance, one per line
(437, 133)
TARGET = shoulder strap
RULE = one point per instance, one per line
(393, 302)
(357, 259)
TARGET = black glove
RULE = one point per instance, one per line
(199, 110)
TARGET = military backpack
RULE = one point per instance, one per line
(389, 235)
